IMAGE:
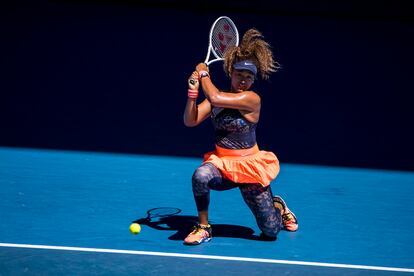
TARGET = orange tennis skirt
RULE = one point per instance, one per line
(245, 165)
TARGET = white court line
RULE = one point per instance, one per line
(212, 257)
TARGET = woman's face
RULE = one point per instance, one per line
(241, 80)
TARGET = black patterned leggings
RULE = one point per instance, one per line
(257, 197)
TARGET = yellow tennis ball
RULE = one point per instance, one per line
(135, 228)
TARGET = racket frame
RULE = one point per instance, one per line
(210, 46)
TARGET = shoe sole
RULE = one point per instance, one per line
(198, 242)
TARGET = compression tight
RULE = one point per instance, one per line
(257, 197)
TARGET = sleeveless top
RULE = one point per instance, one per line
(232, 130)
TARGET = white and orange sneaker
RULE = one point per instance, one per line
(289, 220)
(199, 234)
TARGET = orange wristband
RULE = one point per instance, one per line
(193, 94)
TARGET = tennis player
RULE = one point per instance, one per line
(237, 160)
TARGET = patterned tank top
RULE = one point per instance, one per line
(232, 130)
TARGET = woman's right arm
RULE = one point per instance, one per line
(194, 114)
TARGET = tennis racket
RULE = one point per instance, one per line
(223, 35)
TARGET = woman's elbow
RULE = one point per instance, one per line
(188, 123)
(214, 100)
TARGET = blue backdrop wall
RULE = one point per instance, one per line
(111, 76)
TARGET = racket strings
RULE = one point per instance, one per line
(224, 35)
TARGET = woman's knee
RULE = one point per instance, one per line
(201, 178)
(270, 232)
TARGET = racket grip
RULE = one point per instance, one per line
(192, 81)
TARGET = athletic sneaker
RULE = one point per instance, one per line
(289, 220)
(199, 234)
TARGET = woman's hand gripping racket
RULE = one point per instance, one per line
(223, 35)
(193, 82)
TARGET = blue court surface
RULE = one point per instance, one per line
(67, 212)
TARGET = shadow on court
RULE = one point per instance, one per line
(182, 225)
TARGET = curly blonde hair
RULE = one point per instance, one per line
(254, 48)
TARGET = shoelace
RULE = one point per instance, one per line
(288, 218)
(199, 230)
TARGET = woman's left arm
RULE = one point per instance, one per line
(246, 100)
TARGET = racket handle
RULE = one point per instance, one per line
(192, 81)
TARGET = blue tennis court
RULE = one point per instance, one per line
(68, 212)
